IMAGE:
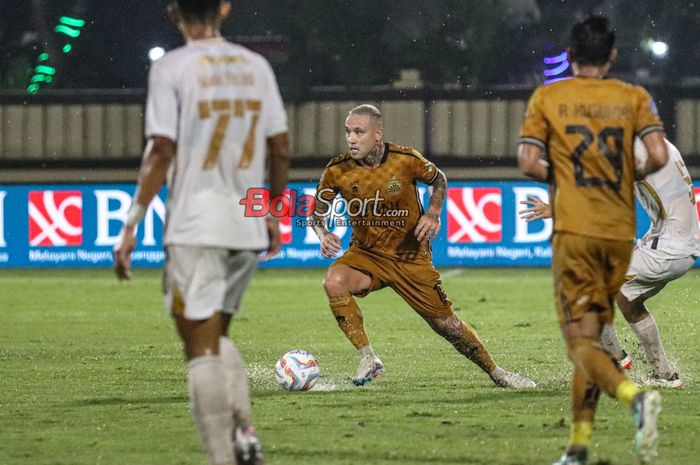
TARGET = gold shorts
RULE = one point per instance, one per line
(588, 273)
(417, 283)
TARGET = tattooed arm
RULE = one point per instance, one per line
(429, 224)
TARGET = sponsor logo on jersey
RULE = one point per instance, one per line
(55, 218)
(474, 214)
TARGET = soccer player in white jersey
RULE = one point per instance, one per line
(666, 252)
(213, 112)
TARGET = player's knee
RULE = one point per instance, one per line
(449, 328)
(334, 284)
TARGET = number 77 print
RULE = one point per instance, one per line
(225, 110)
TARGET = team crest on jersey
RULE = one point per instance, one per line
(355, 188)
(394, 186)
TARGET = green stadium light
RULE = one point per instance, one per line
(50, 70)
(74, 22)
(44, 73)
(67, 30)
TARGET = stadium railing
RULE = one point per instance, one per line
(98, 134)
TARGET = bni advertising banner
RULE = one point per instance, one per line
(44, 226)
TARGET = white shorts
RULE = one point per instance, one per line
(200, 281)
(648, 274)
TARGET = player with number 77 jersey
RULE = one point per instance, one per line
(213, 113)
(220, 102)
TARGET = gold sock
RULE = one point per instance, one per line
(349, 318)
(597, 364)
(584, 397)
(469, 345)
(626, 391)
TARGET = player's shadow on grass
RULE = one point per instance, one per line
(117, 400)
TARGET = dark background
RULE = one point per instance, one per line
(451, 43)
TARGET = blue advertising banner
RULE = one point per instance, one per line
(78, 225)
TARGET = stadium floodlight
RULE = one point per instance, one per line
(155, 53)
(659, 48)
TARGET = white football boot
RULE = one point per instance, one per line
(370, 368)
(503, 378)
(646, 409)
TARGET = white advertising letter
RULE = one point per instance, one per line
(2, 219)
(522, 234)
(105, 215)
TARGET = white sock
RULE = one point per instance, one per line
(211, 407)
(497, 373)
(608, 339)
(648, 333)
(237, 382)
(367, 351)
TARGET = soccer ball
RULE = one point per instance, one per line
(297, 370)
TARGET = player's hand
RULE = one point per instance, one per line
(122, 253)
(538, 209)
(275, 241)
(330, 245)
(428, 227)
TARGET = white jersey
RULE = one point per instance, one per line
(669, 199)
(219, 102)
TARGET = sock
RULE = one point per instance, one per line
(211, 407)
(581, 434)
(468, 344)
(608, 339)
(626, 392)
(648, 334)
(584, 398)
(367, 351)
(598, 366)
(237, 382)
(349, 318)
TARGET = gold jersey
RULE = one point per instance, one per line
(586, 126)
(382, 204)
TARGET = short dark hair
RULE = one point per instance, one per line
(199, 10)
(591, 41)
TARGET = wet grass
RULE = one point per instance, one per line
(91, 372)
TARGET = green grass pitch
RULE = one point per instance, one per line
(91, 372)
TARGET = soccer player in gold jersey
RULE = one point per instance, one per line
(577, 136)
(390, 244)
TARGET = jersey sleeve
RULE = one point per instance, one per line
(648, 119)
(275, 115)
(326, 191)
(535, 127)
(161, 105)
(423, 169)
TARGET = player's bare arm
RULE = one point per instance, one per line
(160, 152)
(537, 209)
(658, 154)
(530, 162)
(330, 243)
(429, 224)
(278, 149)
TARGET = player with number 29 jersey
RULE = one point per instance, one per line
(587, 126)
(219, 102)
